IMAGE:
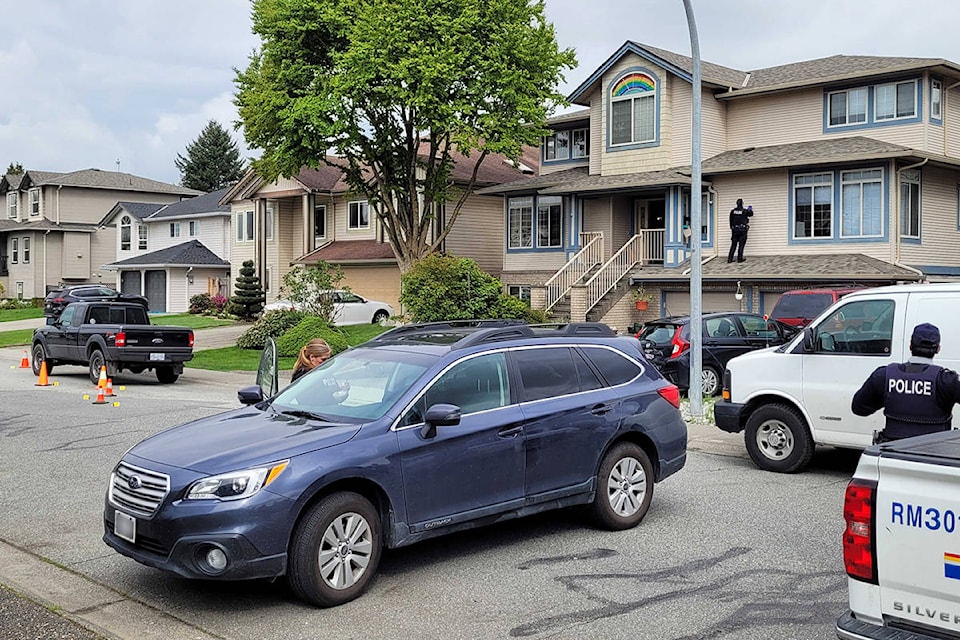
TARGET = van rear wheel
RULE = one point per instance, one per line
(777, 439)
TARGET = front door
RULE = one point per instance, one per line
(156, 290)
(470, 469)
(130, 283)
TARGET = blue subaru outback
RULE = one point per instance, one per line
(425, 430)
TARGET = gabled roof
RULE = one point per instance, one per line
(822, 71)
(188, 254)
(207, 203)
(138, 210)
(93, 179)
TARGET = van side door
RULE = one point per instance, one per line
(848, 344)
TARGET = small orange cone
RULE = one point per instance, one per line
(108, 390)
(43, 381)
(100, 399)
(24, 361)
(102, 382)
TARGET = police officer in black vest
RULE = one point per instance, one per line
(916, 396)
(739, 225)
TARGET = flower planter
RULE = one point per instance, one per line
(642, 305)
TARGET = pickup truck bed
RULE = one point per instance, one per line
(902, 541)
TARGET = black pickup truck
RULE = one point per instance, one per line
(117, 335)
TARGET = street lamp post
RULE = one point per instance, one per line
(696, 277)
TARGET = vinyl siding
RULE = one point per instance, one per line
(25, 272)
(90, 205)
(713, 129)
(951, 122)
(646, 158)
(478, 232)
(534, 261)
(597, 137)
(76, 256)
(938, 221)
(288, 237)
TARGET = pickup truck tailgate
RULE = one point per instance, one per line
(918, 532)
(150, 336)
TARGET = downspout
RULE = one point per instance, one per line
(896, 256)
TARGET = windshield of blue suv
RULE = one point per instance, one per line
(359, 384)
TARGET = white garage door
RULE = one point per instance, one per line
(678, 302)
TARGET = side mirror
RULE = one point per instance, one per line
(250, 395)
(808, 343)
(439, 415)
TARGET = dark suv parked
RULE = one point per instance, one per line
(725, 336)
(55, 301)
(422, 431)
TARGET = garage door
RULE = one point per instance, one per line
(376, 283)
(678, 302)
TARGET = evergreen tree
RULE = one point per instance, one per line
(212, 162)
(15, 168)
(248, 296)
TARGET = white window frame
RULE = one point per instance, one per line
(34, 195)
(521, 211)
(358, 207)
(142, 237)
(240, 216)
(126, 224)
(174, 229)
(193, 228)
(910, 180)
(520, 291)
(847, 119)
(861, 177)
(269, 220)
(12, 200)
(319, 210)
(14, 250)
(635, 100)
(249, 227)
(549, 207)
(936, 99)
(895, 115)
(816, 180)
(26, 250)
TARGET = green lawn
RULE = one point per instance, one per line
(191, 320)
(16, 338)
(9, 315)
(236, 359)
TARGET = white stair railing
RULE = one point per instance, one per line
(576, 268)
(619, 265)
(653, 244)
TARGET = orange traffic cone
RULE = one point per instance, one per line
(100, 399)
(108, 390)
(24, 361)
(102, 382)
(42, 381)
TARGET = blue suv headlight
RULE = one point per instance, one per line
(236, 484)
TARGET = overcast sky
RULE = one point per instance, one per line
(90, 83)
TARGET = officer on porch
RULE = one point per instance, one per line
(739, 225)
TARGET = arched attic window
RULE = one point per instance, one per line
(633, 109)
(125, 231)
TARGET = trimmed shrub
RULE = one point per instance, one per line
(271, 324)
(307, 329)
(200, 303)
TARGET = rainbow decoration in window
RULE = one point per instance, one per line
(633, 83)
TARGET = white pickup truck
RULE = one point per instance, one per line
(901, 543)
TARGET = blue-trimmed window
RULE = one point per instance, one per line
(633, 109)
(812, 205)
(706, 216)
(861, 203)
(910, 204)
(847, 107)
(572, 144)
(541, 231)
(936, 99)
(895, 100)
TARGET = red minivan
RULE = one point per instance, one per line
(800, 306)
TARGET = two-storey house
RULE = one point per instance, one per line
(49, 233)
(851, 165)
(314, 216)
(171, 252)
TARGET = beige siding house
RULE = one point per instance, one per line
(851, 164)
(49, 232)
(313, 216)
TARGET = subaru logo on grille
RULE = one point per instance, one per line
(157, 341)
(134, 482)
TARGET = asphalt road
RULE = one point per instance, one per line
(726, 550)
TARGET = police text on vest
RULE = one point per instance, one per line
(910, 387)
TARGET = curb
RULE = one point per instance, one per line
(89, 604)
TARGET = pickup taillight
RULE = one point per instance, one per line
(120, 340)
(190, 339)
(859, 548)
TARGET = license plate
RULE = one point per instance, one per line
(157, 356)
(125, 526)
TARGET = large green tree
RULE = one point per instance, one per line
(399, 91)
(15, 168)
(212, 162)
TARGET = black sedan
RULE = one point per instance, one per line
(725, 336)
(55, 301)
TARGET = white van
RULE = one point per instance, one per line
(790, 398)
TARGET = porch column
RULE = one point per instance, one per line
(578, 303)
(538, 297)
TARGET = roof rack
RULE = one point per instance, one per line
(430, 327)
(598, 329)
(476, 332)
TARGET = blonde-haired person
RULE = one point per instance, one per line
(313, 354)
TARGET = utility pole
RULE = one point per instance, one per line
(695, 391)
